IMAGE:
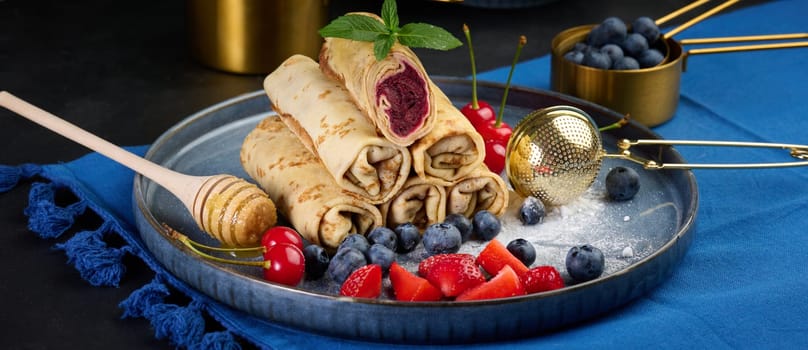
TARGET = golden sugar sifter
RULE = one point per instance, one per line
(555, 154)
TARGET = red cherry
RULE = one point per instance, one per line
(281, 234)
(481, 116)
(489, 132)
(495, 156)
(284, 263)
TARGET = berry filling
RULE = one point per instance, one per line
(405, 98)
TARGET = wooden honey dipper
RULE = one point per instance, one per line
(228, 208)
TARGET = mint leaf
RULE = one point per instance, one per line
(384, 35)
(382, 45)
(354, 27)
(427, 36)
(390, 15)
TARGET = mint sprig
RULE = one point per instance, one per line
(384, 34)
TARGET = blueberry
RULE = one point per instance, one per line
(522, 250)
(486, 225)
(634, 44)
(355, 241)
(613, 51)
(626, 63)
(580, 47)
(442, 238)
(597, 59)
(646, 27)
(384, 236)
(616, 29)
(584, 263)
(345, 262)
(650, 58)
(462, 223)
(574, 56)
(532, 211)
(381, 255)
(622, 183)
(611, 31)
(316, 261)
(408, 237)
(597, 37)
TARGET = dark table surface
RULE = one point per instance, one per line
(122, 70)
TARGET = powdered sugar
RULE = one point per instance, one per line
(626, 232)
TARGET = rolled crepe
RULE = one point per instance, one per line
(395, 93)
(321, 113)
(419, 202)
(451, 150)
(301, 187)
(479, 190)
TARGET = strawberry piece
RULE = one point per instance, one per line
(541, 279)
(451, 273)
(409, 287)
(495, 256)
(505, 284)
(365, 282)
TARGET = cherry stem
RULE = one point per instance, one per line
(194, 247)
(616, 125)
(522, 43)
(474, 104)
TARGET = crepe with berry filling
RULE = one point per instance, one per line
(395, 93)
(480, 190)
(302, 189)
(419, 202)
(320, 112)
(451, 150)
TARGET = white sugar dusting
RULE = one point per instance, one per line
(588, 220)
(626, 232)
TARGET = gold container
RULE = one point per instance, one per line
(254, 36)
(649, 95)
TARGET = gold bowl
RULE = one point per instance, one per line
(648, 95)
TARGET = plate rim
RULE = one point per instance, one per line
(683, 235)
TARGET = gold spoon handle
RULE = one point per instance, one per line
(751, 47)
(699, 18)
(664, 19)
(799, 152)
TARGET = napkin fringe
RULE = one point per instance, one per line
(97, 263)
(182, 326)
(10, 176)
(101, 264)
(222, 340)
(47, 219)
(141, 300)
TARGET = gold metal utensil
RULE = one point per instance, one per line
(253, 36)
(555, 154)
(230, 209)
(650, 95)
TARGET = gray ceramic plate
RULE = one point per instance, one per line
(643, 239)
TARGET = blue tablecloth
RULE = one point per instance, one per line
(743, 283)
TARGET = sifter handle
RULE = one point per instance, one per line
(799, 152)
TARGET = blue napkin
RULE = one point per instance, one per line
(743, 283)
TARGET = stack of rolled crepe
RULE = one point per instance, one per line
(325, 128)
